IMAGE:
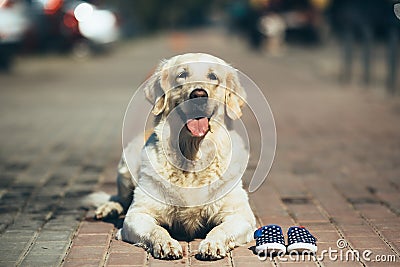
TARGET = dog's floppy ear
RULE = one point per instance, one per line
(234, 96)
(154, 89)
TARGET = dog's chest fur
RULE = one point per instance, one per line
(202, 171)
(184, 178)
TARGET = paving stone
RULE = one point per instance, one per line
(92, 240)
(70, 224)
(87, 252)
(28, 223)
(12, 251)
(12, 245)
(82, 263)
(6, 263)
(361, 242)
(54, 235)
(42, 260)
(117, 246)
(342, 263)
(326, 236)
(18, 235)
(195, 262)
(118, 259)
(49, 247)
(6, 179)
(250, 261)
(7, 219)
(95, 227)
(243, 251)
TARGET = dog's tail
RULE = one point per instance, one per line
(96, 199)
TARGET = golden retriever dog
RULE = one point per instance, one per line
(186, 178)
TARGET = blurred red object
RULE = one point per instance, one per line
(70, 21)
(52, 6)
(6, 3)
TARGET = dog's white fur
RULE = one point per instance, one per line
(228, 220)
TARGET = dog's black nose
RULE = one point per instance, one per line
(198, 92)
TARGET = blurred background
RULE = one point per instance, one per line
(362, 32)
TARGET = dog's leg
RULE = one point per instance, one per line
(234, 231)
(119, 203)
(142, 228)
(236, 227)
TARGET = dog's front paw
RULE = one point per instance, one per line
(168, 249)
(212, 250)
(110, 209)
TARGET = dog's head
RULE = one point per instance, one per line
(199, 87)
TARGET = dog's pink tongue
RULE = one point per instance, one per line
(198, 127)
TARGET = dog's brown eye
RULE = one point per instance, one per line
(182, 75)
(212, 76)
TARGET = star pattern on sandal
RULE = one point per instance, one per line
(270, 234)
(298, 234)
(270, 239)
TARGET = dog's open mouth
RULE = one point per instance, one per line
(198, 127)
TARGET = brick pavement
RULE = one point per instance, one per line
(336, 169)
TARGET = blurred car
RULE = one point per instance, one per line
(79, 26)
(97, 27)
(54, 25)
(14, 23)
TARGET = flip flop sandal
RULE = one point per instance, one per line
(300, 239)
(269, 239)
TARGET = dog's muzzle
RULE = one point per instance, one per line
(198, 126)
